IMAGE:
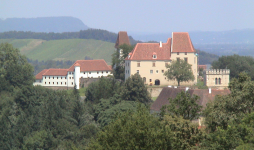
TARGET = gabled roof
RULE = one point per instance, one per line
(181, 42)
(91, 65)
(204, 95)
(39, 75)
(145, 51)
(122, 39)
(51, 72)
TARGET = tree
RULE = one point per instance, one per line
(180, 71)
(142, 130)
(15, 71)
(135, 90)
(118, 61)
(184, 105)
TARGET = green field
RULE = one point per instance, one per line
(68, 49)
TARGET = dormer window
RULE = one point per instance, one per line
(154, 55)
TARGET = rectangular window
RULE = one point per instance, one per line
(65, 83)
(53, 77)
(150, 80)
(166, 64)
(61, 83)
(71, 83)
(185, 53)
(106, 71)
(45, 77)
(69, 72)
(57, 83)
(162, 71)
(61, 77)
(70, 77)
(49, 77)
(157, 71)
(89, 72)
(45, 83)
(84, 72)
(194, 60)
(102, 72)
(97, 72)
(178, 59)
(153, 64)
(151, 71)
(137, 71)
(186, 59)
(53, 82)
(49, 82)
(128, 64)
(177, 53)
(56, 77)
(138, 64)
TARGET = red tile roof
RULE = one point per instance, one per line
(182, 42)
(122, 39)
(91, 65)
(145, 51)
(204, 95)
(39, 75)
(51, 72)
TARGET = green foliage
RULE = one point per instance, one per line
(180, 71)
(184, 105)
(142, 130)
(15, 71)
(236, 64)
(135, 90)
(118, 62)
(104, 88)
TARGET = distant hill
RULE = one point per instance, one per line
(68, 49)
(43, 24)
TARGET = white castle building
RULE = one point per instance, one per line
(71, 77)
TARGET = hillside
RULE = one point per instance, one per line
(42, 24)
(68, 49)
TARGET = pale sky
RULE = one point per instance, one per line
(148, 16)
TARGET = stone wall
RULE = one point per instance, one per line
(154, 91)
(58, 87)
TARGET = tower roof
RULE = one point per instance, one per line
(122, 39)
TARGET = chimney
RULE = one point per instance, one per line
(186, 89)
(210, 90)
(160, 44)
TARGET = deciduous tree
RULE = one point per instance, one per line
(179, 70)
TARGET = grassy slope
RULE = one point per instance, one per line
(69, 49)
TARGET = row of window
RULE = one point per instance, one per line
(178, 53)
(153, 64)
(56, 77)
(57, 83)
(89, 72)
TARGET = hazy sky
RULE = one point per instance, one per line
(141, 15)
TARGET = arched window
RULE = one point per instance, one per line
(219, 80)
(216, 81)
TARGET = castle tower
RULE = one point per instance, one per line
(77, 75)
(121, 39)
(216, 78)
